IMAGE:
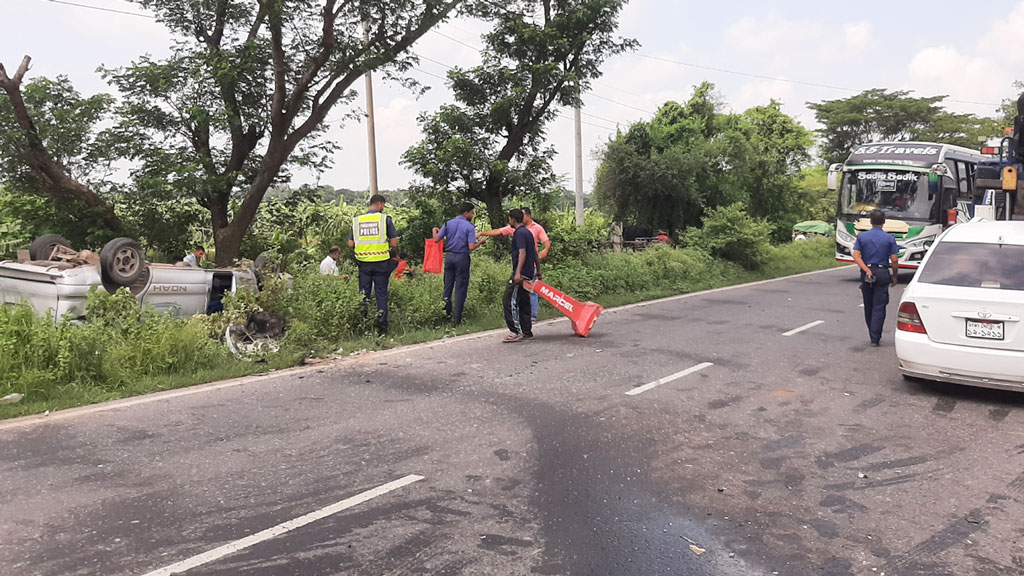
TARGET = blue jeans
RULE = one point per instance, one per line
(373, 281)
(876, 298)
(456, 284)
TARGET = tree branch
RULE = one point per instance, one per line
(51, 172)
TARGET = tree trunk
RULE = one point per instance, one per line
(495, 207)
(229, 245)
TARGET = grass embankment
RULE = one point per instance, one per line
(125, 352)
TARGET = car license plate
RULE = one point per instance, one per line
(985, 329)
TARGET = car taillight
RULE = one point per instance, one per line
(909, 320)
(951, 216)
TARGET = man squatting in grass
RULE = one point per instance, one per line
(459, 236)
(516, 300)
(540, 236)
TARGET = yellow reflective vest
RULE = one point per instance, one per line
(370, 234)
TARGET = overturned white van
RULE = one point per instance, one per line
(51, 277)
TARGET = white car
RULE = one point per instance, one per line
(53, 278)
(960, 318)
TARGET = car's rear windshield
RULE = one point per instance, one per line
(996, 266)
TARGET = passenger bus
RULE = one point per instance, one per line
(922, 187)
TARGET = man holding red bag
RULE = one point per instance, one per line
(459, 236)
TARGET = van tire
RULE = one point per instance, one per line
(261, 261)
(267, 264)
(122, 262)
(43, 247)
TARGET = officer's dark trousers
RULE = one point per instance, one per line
(876, 298)
(517, 309)
(373, 280)
(456, 284)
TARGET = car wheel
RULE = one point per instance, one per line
(44, 246)
(122, 261)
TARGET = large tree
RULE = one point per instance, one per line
(663, 173)
(881, 115)
(667, 172)
(244, 97)
(489, 144)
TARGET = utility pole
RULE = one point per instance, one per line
(370, 132)
(579, 166)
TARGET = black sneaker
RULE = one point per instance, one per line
(875, 344)
(528, 336)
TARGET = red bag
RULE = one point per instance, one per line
(433, 257)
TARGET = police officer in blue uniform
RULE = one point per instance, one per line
(875, 252)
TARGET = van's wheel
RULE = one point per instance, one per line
(267, 265)
(44, 246)
(261, 261)
(122, 261)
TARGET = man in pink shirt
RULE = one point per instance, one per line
(540, 237)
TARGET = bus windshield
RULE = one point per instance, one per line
(900, 194)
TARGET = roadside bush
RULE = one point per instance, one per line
(330, 307)
(570, 243)
(802, 256)
(728, 232)
(120, 346)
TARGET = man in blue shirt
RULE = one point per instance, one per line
(459, 236)
(525, 266)
(875, 251)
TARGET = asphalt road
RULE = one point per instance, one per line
(799, 454)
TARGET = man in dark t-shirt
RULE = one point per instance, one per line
(516, 300)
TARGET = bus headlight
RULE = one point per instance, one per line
(845, 237)
(925, 243)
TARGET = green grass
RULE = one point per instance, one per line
(123, 352)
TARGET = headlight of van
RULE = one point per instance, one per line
(845, 237)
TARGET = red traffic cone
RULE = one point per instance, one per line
(582, 314)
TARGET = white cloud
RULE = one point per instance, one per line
(783, 44)
(982, 74)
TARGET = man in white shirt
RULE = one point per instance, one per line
(195, 257)
(329, 265)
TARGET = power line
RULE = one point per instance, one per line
(785, 80)
(620, 103)
(591, 93)
(587, 123)
(610, 121)
(422, 57)
(102, 9)
(453, 39)
(429, 73)
(639, 55)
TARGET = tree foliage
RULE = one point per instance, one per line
(489, 144)
(881, 115)
(242, 100)
(692, 157)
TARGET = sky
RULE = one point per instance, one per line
(795, 51)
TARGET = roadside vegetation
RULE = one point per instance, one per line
(199, 148)
(124, 351)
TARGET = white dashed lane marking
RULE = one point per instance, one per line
(283, 528)
(667, 379)
(807, 326)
